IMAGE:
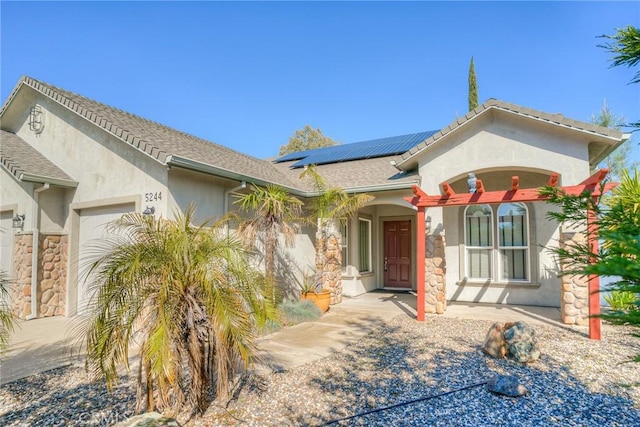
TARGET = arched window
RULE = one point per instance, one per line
(511, 245)
(513, 242)
(479, 241)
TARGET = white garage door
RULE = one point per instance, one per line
(92, 229)
(6, 242)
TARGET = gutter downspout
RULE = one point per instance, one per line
(34, 251)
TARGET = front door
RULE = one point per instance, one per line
(397, 254)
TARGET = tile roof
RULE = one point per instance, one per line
(359, 175)
(28, 164)
(160, 142)
(407, 160)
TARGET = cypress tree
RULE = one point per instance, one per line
(473, 87)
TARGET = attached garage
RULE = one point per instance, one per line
(92, 229)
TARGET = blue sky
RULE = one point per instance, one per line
(248, 74)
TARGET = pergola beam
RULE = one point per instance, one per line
(593, 185)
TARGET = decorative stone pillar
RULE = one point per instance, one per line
(332, 268)
(52, 274)
(574, 293)
(21, 283)
(435, 270)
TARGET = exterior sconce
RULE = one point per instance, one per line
(149, 210)
(36, 119)
(427, 224)
(17, 221)
(471, 182)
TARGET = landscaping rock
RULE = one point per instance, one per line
(521, 342)
(506, 385)
(149, 419)
(494, 343)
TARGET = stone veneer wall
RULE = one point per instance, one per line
(51, 271)
(574, 294)
(435, 270)
(52, 274)
(22, 256)
(332, 268)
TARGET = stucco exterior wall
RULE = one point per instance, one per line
(508, 144)
(497, 147)
(19, 195)
(206, 192)
(104, 166)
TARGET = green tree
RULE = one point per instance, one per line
(473, 86)
(6, 317)
(275, 213)
(625, 47)
(189, 298)
(332, 205)
(306, 138)
(618, 222)
(617, 161)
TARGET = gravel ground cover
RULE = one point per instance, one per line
(576, 382)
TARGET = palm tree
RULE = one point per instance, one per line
(187, 295)
(6, 317)
(275, 212)
(332, 205)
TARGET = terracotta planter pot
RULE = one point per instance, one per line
(320, 299)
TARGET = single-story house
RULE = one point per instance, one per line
(71, 164)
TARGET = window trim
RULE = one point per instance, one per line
(526, 247)
(369, 244)
(490, 249)
(495, 251)
(344, 246)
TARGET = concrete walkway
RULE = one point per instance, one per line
(42, 344)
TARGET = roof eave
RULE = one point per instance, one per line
(58, 182)
(194, 165)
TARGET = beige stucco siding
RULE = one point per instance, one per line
(206, 192)
(500, 146)
(104, 166)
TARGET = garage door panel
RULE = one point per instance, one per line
(92, 231)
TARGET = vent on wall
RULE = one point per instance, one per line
(36, 119)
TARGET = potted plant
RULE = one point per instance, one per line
(314, 292)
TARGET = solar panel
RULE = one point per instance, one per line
(357, 150)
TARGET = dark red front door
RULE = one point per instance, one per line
(397, 254)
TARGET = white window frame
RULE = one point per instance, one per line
(344, 232)
(369, 245)
(525, 247)
(489, 249)
(496, 263)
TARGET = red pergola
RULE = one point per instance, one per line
(592, 185)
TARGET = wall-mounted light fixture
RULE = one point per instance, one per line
(36, 119)
(471, 182)
(149, 210)
(427, 224)
(17, 221)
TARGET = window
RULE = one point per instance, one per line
(479, 241)
(364, 245)
(345, 253)
(511, 250)
(513, 241)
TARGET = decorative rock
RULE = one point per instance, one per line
(521, 342)
(149, 419)
(494, 343)
(506, 385)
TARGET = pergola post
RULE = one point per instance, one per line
(421, 257)
(594, 279)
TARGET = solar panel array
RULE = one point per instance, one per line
(356, 151)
